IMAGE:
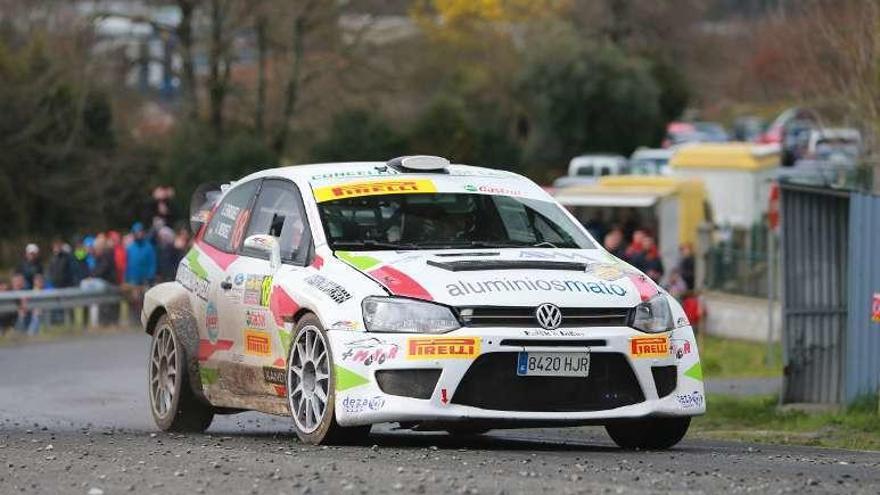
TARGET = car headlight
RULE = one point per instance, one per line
(653, 315)
(391, 314)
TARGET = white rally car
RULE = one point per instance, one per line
(437, 296)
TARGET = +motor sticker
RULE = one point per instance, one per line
(374, 188)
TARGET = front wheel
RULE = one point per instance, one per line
(649, 433)
(311, 387)
(173, 404)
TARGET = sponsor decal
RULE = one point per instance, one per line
(238, 280)
(329, 287)
(499, 285)
(223, 230)
(257, 343)
(695, 372)
(647, 288)
(444, 396)
(212, 322)
(344, 325)
(230, 211)
(553, 254)
(346, 379)
(370, 351)
(208, 348)
(606, 271)
(442, 347)
(281, 305)
(236, 293)
(280, 390)
(503, 191)
(265, 290)
(253, 290)
(374, 188)
(193, 282)
(274, 375)
(553, 333)
(397, 282)
(356, 405)
(690, 401)
(317, 262)
(679, 347)
(355, 173)
(649, 347)
(209, 376)
(875, 308)
(238, 230)
(255, 318)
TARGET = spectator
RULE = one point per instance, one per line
(23, 316)
(30, 266)
(116, 246)
(676, 285)
(614, 242)
(686, 265)
(168, 254)
(636, 248)
(36, 315)
(80, 262)
(62, 269)
(140, 268)
(648, 260)
(105, 265)
(7, 321)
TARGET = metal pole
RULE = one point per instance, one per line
(771, 272)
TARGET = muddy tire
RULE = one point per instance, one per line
(649, 433)
(172, 402)
(311, 388)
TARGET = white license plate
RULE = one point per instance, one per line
(553, 364)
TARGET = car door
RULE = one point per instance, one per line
(204, 270)
(260, 341)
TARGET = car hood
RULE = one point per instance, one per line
(506, 277)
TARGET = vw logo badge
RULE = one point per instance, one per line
(549, 316)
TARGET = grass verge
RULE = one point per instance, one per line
(48, 334)
(729, 358)
(757, 419)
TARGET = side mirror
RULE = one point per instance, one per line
(265, 246)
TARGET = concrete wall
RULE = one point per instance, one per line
(739, 317)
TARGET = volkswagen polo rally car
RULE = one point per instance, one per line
(436, 296)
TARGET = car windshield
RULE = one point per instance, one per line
(447, 221)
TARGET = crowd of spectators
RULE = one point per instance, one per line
(132, 261)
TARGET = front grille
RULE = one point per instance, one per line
(416, 383)
(492, 383)
(524, 316)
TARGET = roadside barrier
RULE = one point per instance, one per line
(91, 299)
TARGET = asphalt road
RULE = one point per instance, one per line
(74, 419)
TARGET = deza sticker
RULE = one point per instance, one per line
(374, 188)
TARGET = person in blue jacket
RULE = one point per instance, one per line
(140, 268)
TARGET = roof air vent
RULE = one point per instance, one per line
(419, 163)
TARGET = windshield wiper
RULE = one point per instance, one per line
(367, 244)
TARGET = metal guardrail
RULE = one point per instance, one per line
(49, 299)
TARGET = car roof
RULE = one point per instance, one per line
(347, 171)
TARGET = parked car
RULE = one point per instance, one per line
(650, 161)
(585, 169)
(694, 132)
(432, 295)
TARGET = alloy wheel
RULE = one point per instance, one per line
(309, 379)
(163, 371)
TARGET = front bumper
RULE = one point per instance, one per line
(470, 375)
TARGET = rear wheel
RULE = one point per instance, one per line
(173, 404)
(649, 433)
(311, 387)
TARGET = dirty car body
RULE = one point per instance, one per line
(448, 296)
